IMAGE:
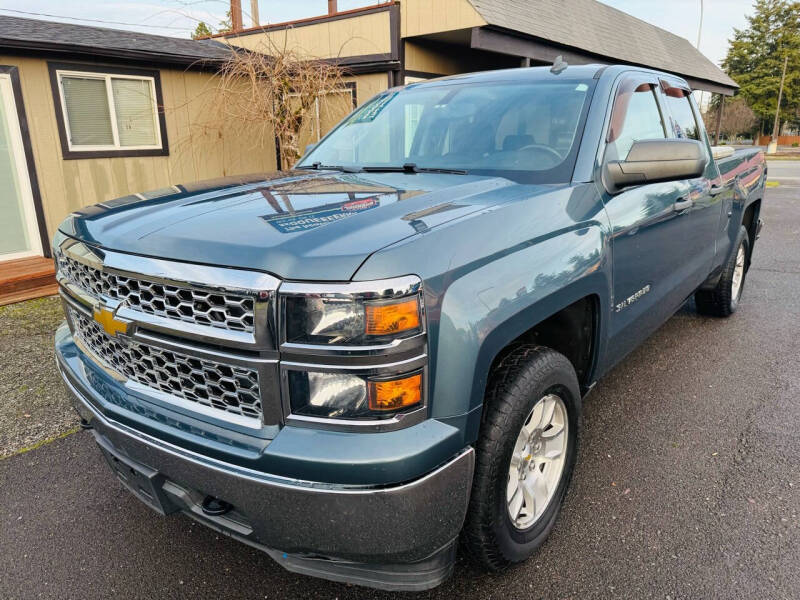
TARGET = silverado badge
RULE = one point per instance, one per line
(110, 324)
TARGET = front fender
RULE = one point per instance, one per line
(487, 308)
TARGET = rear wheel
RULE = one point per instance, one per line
(525, 456)
(723, 300)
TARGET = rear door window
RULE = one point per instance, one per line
(635, 116)
(682, 121)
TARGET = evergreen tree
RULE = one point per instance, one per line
(202, 30)
(755, 59)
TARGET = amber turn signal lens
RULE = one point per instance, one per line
(385, 319)
(395, 394)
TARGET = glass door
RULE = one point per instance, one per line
(19, 233)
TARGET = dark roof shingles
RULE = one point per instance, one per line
(595, 27)
(33, 33)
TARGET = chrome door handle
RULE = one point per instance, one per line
(716, 189)
(683, 204)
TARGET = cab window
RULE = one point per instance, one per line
(682, 121)
(635, 116)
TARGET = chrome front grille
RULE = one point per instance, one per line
(228, 388)
(222, 310)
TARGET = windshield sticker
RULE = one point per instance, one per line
(312, 218)
(371, 111)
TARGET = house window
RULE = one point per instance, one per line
(108, 112)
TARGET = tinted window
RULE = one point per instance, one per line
(682, 119)
(527, 131)
(635, 117)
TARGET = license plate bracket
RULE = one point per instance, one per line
(142, 481)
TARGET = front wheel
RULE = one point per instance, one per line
(525, 456)
(723, 300)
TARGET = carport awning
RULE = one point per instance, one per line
(587, 31)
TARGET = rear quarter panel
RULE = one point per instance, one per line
(745, 173)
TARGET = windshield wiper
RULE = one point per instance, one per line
(317, 166)
(413, 168)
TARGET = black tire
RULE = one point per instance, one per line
(721, 301)
(526, 374)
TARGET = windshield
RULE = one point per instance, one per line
(527, 131)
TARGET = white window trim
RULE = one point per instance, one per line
(31, 222)
(107, 77)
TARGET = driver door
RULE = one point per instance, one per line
(651, 267)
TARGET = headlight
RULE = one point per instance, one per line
(354, 350)
(337, 318)
(349, 396)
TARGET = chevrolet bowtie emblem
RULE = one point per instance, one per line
(110, 324)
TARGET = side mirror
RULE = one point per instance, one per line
(650, 161)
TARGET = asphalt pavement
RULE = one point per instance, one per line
(687, 484)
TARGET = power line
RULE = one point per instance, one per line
(37, 14)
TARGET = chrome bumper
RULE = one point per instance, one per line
(397, 538)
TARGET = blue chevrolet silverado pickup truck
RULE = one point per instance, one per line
(356, 363)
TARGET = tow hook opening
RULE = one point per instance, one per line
(214, 507)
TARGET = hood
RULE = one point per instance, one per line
(301, 225)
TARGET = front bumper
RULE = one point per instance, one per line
(399, 537)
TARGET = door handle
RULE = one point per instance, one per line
(716, 189)
(683, 204)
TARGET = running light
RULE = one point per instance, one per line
(395, 394)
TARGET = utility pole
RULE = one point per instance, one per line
(254, 12)
(236, 15)
(700, 28)
(699, 31)
(773, 143)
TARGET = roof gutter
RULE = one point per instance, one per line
(75, 50)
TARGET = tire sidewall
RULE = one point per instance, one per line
(516, 544)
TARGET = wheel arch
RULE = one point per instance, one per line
(750, 222)
(580, 343)
(541, 320)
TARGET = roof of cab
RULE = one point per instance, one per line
(571, 72)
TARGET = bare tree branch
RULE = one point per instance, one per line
(274, 90)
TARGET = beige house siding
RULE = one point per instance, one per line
(428, 60)
(368, 85)
(352, 36)
(420, 17)
(200, 147)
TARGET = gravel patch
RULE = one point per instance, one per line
(34, 404)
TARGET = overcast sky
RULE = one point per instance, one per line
(179, 17)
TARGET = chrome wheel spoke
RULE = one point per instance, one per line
(516, 461)
(522, 441)
(540, 487)
(549, 456)
(529, 491)
(548, 409)
(738, 273)
(516, 501)
(532, 422)
(553, 432)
